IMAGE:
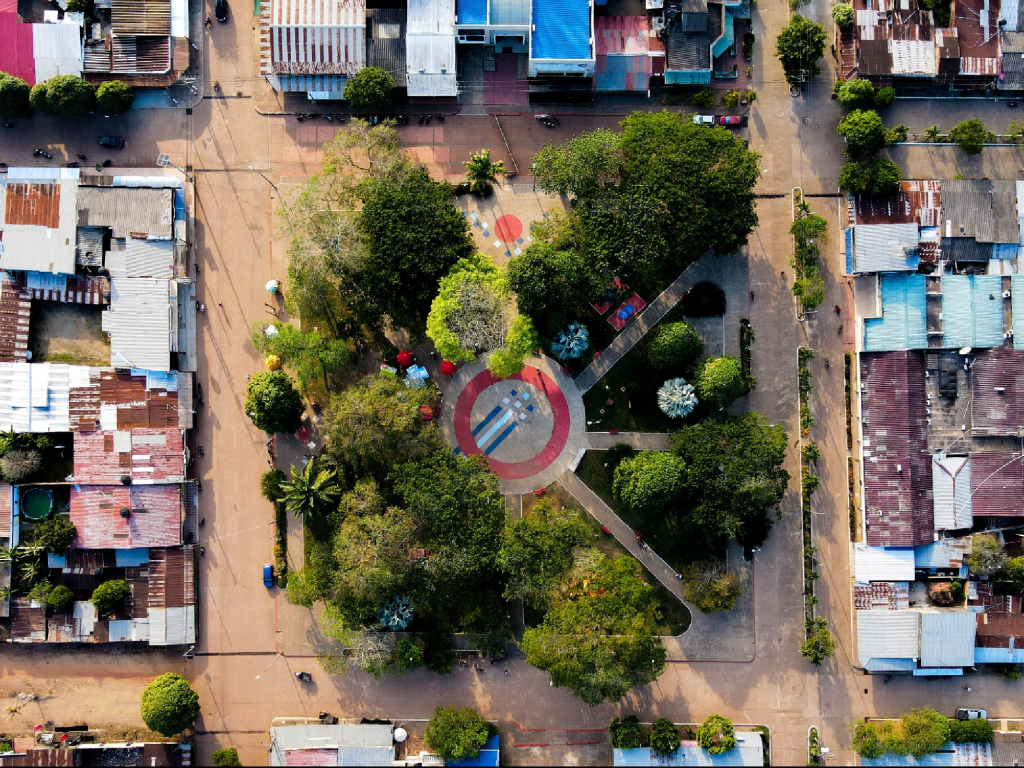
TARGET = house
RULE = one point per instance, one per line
(27, 753)
(628, 53)
(313, 47)
(144, 456)
(40, 216)
(698, 34)
(924, 642)
(340, 744)
(952, 755)
(749, 751)
(143, 42)
(37, 52)
(430, 49)
(562, 38)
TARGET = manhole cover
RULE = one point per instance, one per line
(807, 120)
(780, 112)
(815, 126)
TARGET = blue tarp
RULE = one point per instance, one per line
(561, 29)
(489, 756)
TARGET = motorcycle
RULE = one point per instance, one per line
(304, 677)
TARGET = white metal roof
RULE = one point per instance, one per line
(947, 638)
(35, 247)
(883, 563)
(141, 321)
(951, 490)
(35, 397)
(430, 48)
(913, 57)
(888, 635)
(57, 50)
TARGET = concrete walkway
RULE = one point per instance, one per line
(642, 441)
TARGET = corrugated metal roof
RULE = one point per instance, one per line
(140, 17)
(513, 13)
(881, 596)
(884, 247)
(5, 511)
(983, 209)
(294, 738)
(471, 12)
(883, 563)
(385, 44)
(897, 467)
(903, 324)
(38, 246)
(28, 624)
(430, 48)
(35, 397)
(944, 553)
(888, 635)
(89, 246)
(999, 476)
(947, 638)
(146, 455)
(33, 204)
(57, 50)
(972, 311)
(913, 57)
(317, 37)
(561, 30)
(997, 387)
(1017, 308)
(15, 315)
(749, 752)
(128, 211)
(140, 323)
(16, 53)
(917, 201)
(951, 491)
(155, 519)
(625, 35)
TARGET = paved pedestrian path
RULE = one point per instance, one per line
(642, 441)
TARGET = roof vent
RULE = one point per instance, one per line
(126, 480)
(1000, 389)
(899, 467)
(125, 512)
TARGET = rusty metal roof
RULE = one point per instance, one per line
(154, 519)
(897, 466)
(32, 204)
(140, 17)
(881, 595)
(145, 455)
(15, 313)
(27, 623)
(997, 484)
(997, 388)
(917, 201)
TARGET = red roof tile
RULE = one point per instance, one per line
(155, 519)
(897, 466)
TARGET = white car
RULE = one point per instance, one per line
(971, 714)
(704, 119)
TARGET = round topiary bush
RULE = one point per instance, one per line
(649, 481)
(720, 381)
(674, 345)
(169, 705)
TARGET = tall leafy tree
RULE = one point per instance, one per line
(169, 705)
(864, 133)
(472, 312)
(876, 176)
(273, 403)
(552, 286)
(114, 97)
(970, 135)
(70, 96)
(372, 557)
(798, 48)
(720, 381)
(312, 492)
(582, 167)
(456, 734)
(537, 550)
(370, 87)
(14, 97)
(312, 354)
(600, 640)
(650, 481)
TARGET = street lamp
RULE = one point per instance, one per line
(164, 161)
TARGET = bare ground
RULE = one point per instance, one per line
(67, 333)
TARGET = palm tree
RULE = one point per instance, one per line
(481, 171)
(933, 134)
(312, 493)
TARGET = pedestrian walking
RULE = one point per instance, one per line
(248, 377)
(201, 451)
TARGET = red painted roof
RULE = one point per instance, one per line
(997, 484)
(897, 466)
(155, 455)
(155, 519)
(16, 54)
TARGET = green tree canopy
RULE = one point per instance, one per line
(843, 15)
(854, 93)
(37, 98)
(372, 427)
(481, 171)
(552, 286)
(871, 177)
(70, 96)
(114, 97)
(710, 587)
(520, 342)
(581, 167)
(819, 644)
(372, 558)
(14, 97)
(673, 346)
(987, 556)
(110, 595)
(864, 133)
(228, 758)
(169, 705)
(600, 640)
(650, 481)
(885, 97)
(60, 598)
(970, 135)
(54, 534)
(312, 354)
(472, 312)
(369, 88)
(456, 734)
(798, 47)
(312, 492)
(537, 550)
(664, 737)
(273, 403)
(978, 731)
(626, 733)
(1014, 568)
(716, 735)
(719, 381)
(925, 731)
(734, 481)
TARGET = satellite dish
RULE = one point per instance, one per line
(401, 735)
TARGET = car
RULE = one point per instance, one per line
(268, 575)
(704, 119)
(220, 10)
(115, 142)
(965, 713)
(730, 120)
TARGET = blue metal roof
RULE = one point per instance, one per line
(688, 77)
(488, 756)
(972, 311)
(1017, 309)
(561, 29)
(471, 12)
(124, 558)
(903, 324)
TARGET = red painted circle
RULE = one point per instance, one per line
(508, 228)
(544, 457)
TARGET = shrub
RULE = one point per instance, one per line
(867, 741)
(109, 596)
(54, 534)
(60, 598)
(626, 733)
(924, 732)
(456, 734)
(674, 345)
(270, 485)
(855, 93)
(704, 98)
(19, 465)
(370, 87)
(40, 591)
(731, 99)
(719, 381)
(716, 735)
(408, 655)
(970, 135)
(870, 177)
(169, 705)
(114, 97)
(226, 758)
(843, 15)
(864, 133)
(14, 97)
(971, 731)
(1014, 569)
(819, 644)
(885, 96)
(664, 737)
(650, 481)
